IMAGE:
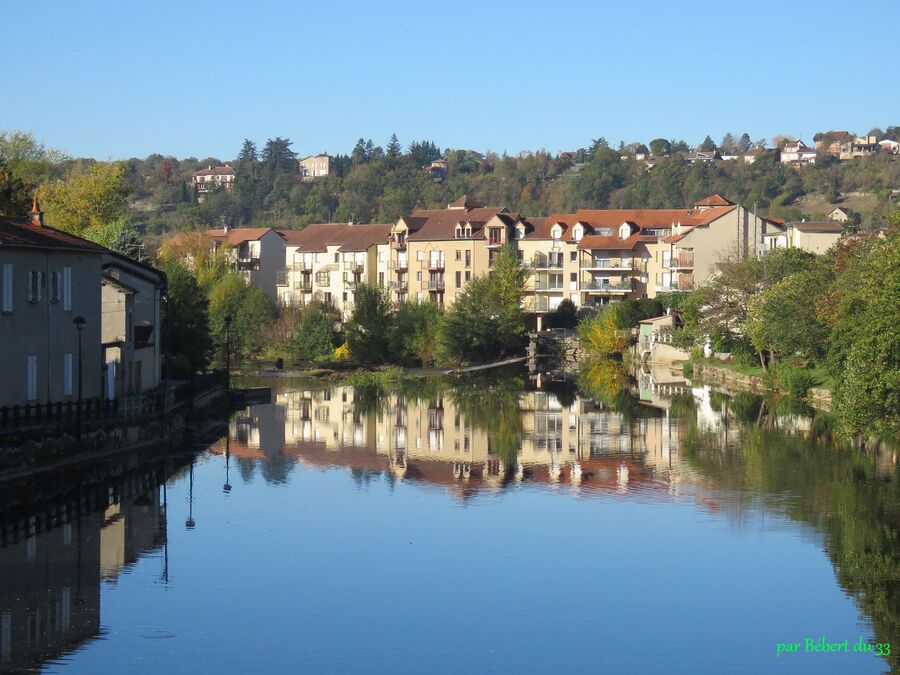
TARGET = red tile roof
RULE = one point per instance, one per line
(714, 200)
(464, 203)
(215, 171)
(613, 243)
(356, 237)
(440, 224)
(238, 235)
(21, 233)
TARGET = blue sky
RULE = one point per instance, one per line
(114, 80)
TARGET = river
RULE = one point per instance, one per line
(491, 523)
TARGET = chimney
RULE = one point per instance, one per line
(37, 216)
(225, 229)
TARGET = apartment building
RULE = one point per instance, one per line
(256, 253)
(435, 253)
(212, 178)
(48, 279)
(316, 166)
(326, 262)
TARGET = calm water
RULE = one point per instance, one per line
(505, 525)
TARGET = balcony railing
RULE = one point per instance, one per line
(245, 264)
(435, 284)
(606, 264)
(684, 260)
(302, 266)
(353, 266)
(548, 262)
(281, 278)
(607, 286)
(548, 285)
(400, 286)
(303, 286)
(399, 244)
(436, 263)
(398, 264)
(351, 284)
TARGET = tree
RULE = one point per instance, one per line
(486, 321)
(13, 195)
(91, 198)
(744, 144)
(313, 339)
(729, 144)
(184, 315)
(600, 335)
(225, 298)
(394, 149)
(708, 144)
(254, 320)
(369, 325)
(413, 334)
(660, 146)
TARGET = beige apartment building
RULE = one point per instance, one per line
(326, 262)
(435, 253)
(256, 253)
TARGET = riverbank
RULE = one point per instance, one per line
(742, 378)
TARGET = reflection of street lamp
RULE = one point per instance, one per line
(79, 326)
(227, 487)
(189, 523)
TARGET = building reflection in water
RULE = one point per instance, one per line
(58, 544)
(438, 437)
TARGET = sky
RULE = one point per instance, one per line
(114, 80)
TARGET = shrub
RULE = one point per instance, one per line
(313, 339)
(687, 369)
(342, 353)
(794, 379)
(600, 335)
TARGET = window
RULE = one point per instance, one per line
(459, 255)
(67, 374)
(468, 231)
(458, 232)
(35, 283)
(7, 288)
(31, 377)
(468, 258)
(418, 276)
(67, 289)
(380, 256)
(337, 257)
(458, 279)
(381, 278)
(323, 279)
(468, 276)
(573, 256)
(520, 232)
(419, 255)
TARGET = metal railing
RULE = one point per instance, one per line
(610, 286)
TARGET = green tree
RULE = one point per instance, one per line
(708, 145)
(313, 339)
(254, 320)
(394, 149)
(185, 322)
(226, 295)
(660, 146)
(369, 326)
(413, 334)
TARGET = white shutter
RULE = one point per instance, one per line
(67, 288)
(31, 377)
(7, 288)
(31, 284)
(67, 374)
(40, 284)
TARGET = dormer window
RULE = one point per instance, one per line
(624, 231)
(578, 232)
(556, 232)
(520, 232)
(468, 231)
(458, 232)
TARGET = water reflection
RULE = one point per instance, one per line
(63, 537)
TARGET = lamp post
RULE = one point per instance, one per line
(79, 326)
(190, 523)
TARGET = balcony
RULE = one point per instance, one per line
(684, 260)
(607, 286)
(400, 286)
(398, 244)
(303, 286)
(436, 285)
(435, 263)
(545, 262)
(247, 264)
(302, 266)
(607, 264)
(398, 264)
(351, 284)
(494, 241)
(353, 266)
(683, 282)
(545, 285)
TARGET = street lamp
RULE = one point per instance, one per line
(190, 523)
(79, 326)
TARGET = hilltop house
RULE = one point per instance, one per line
(797, 152)
(316, 166)
(212, 178)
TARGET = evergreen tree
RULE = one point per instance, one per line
(708, 145)
(394, 149)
